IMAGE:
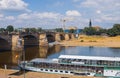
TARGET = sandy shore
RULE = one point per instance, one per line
(11, 74)
(93, 41)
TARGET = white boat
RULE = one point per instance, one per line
(76, 65)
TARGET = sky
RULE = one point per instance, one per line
(50, 14)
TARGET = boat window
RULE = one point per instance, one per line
(41, 69)
(71, 72)
(46, 70)
(56, 70)
(88, 73)
(61, 71)
(66, 71)
(51, 70)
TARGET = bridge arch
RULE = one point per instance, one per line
(4, 44)
(70, 37)
(62, 37)
(30, 40)
(50, 38)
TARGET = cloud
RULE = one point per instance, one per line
(33, 19)
(10, 17)
(73, 13)
(98, 11)
(39, 15)
(13, 5)
(102, 12)
(1, 15)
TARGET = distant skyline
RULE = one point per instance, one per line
(49, 13)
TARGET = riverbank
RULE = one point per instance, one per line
(14, 74)
(101, 41)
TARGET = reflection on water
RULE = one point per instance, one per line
(11, 58)
(88, 51)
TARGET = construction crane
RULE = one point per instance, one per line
(64, 20)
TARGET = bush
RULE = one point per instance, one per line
(81, 40)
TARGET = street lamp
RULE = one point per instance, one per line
(23, 53)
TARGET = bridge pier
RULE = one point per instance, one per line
(72, 36)
(67, 37)
(57, 37)
(43, 40)
(14, 41)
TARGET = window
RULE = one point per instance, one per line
(61, 71)
(56, 70)
(71, 72)
(66, 71)
(46, 70)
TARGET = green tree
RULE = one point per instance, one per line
(27, 30)
(10, 28)
(59, 30)
(114, 31)
(39, 29)
(101, 31)
(34, 30)
(2, 30)
(89, 31)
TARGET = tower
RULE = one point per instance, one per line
(90, 23)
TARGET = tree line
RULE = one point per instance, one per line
(11, 29)
(114, 31)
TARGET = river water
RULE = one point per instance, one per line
(11, 58)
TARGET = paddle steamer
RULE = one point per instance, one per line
(76, 65)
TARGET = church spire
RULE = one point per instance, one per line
(90, 23)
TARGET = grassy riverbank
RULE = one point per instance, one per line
(101, 41)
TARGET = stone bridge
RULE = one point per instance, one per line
(9, 42)
(5, 42)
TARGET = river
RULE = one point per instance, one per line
(11, 58)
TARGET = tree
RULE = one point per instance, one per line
(27, 30)
(59, 30)
(10, 28)
(39, 29)
(2, 30)
(89, 31)
(114, 31)
(34, 30)
(101, 31)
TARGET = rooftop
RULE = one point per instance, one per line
(90, 57)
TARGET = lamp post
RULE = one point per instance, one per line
(23, 53)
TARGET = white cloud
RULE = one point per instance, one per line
(24, 16)
(1, 15)
(39, 15)
(10, 17)
(48, 15)
(73, 13)
(98, 11)
(13, 5)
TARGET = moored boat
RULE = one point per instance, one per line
(76, 65)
